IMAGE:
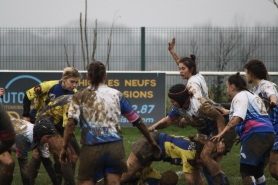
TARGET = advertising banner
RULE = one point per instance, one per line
(144, 90)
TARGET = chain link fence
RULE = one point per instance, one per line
(135, 49)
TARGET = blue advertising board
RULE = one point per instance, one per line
(144, 90)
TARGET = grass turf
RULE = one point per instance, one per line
(229, 164)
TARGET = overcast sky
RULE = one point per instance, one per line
(137, 13)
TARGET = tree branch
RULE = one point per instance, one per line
(95, 41)
(73, 52)
(86, 35)
(274, 2)
(109, 40)
(66, 53)
(82, 44)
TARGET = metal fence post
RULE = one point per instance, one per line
(143, 47)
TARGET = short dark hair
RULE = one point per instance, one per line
(96, 71)
(190, 62)
(238, 81)
(257, 68)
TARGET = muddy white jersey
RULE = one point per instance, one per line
(251, 109)
(24, 139)
(98, 112)
(23, 128)
(196, 84)
(200, 114)
(264, 90)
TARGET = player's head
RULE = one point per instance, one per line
(70, 78)
(255, 69)
(96, 73)
(70, 72)
(187, 66)
(43, 130)
(236, 83)
(169, 178)
(179, 94)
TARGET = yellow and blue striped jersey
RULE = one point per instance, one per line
(58, 109)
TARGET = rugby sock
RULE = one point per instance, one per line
(226, 180)
(50, 170)
(253, 180)
(207, 175)
(221, 179)
(261, 180)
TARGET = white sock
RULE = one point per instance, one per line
(261, 180)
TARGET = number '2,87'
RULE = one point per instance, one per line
(144, 108)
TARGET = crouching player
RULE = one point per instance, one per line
(28, 136)
(56, 112)
(177, 150)
(152, 176)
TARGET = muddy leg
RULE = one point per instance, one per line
(6, 172)
(211, 165)
(112, 179)
(47, 163)
(66, 171)
(133, 166)
(273, 164)
(34, 166)
(247, 180)
(24, 171)
(75, 151)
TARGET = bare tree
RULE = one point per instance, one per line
(224, 53)
(73, 52)
(66, 53)
(86, 56)
(194, 47)
(82, 43)
(110, 39)
(86, 35)
(95, 41)
(274, 2)
(246, 52)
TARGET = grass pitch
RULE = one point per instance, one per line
(229, 164)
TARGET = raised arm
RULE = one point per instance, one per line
(171, 46)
